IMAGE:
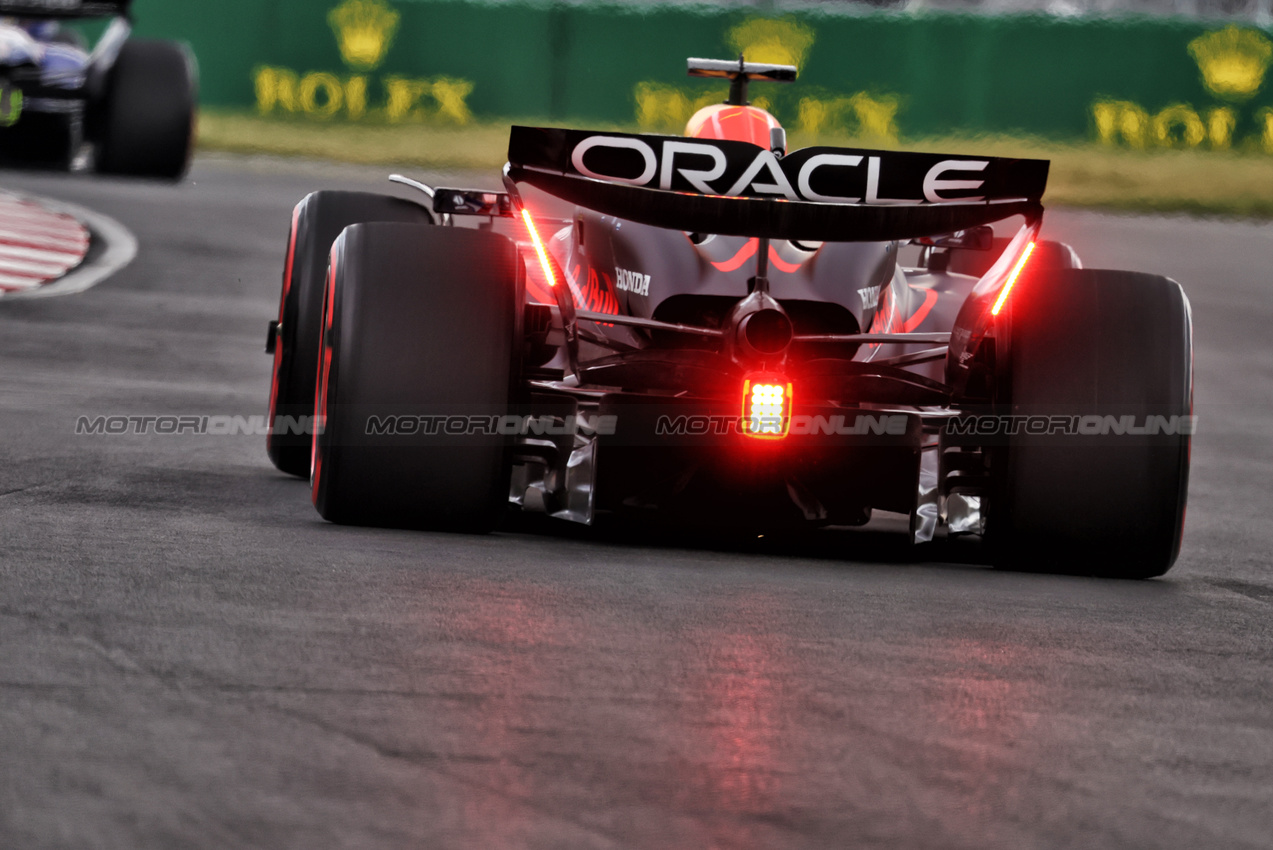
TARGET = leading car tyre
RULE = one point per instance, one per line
(316, 222)
(1106, 356)
(420, 339)
(144, 125)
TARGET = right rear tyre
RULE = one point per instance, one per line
(421, 334)
(145, 123)
(316, 222)
(1096, 368)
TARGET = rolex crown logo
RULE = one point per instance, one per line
(1233, 61)
(777, 42)
(364, 31)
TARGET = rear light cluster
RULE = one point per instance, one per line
(1012, 278)
(766, 408)
(540, 251)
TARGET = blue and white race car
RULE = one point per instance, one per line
(127, 105)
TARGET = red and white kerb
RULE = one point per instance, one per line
(37, 245)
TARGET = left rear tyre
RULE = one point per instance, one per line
(417, 366)
(316, 222)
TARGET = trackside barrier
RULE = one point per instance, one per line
(1139, 83)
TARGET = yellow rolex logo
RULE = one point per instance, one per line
(364, 31)
(1233, 61)
(770, 41)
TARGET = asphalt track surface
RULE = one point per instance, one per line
(190, 657)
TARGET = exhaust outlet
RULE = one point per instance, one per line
(767, 331)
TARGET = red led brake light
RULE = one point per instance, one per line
(766, 407)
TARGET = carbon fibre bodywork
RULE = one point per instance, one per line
(669, 368)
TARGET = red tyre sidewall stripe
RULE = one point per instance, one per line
(319, 421)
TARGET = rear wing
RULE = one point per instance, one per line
(727, 69)
(737, 189)
(64, 8)
(740, 74)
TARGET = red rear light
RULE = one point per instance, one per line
(544, 262)
(766, 407)
(1012, 279)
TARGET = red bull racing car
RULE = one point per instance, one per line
(127, 105)
(714, 330)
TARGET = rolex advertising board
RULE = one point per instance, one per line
(1135, 83)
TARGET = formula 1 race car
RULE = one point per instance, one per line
(712, 330)
(131, 100)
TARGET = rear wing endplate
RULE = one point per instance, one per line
(737, 189)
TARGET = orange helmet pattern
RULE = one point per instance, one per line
(735, 123)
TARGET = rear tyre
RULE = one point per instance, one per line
(145, 123)
(421, 324)
(1104, 350)
(316, 222)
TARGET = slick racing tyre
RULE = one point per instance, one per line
(144, 125)
(316, 222)
(1097, 369)
(420, 338)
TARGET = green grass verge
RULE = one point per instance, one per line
(1201, 182)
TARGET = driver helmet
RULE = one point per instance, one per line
(749, 124)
